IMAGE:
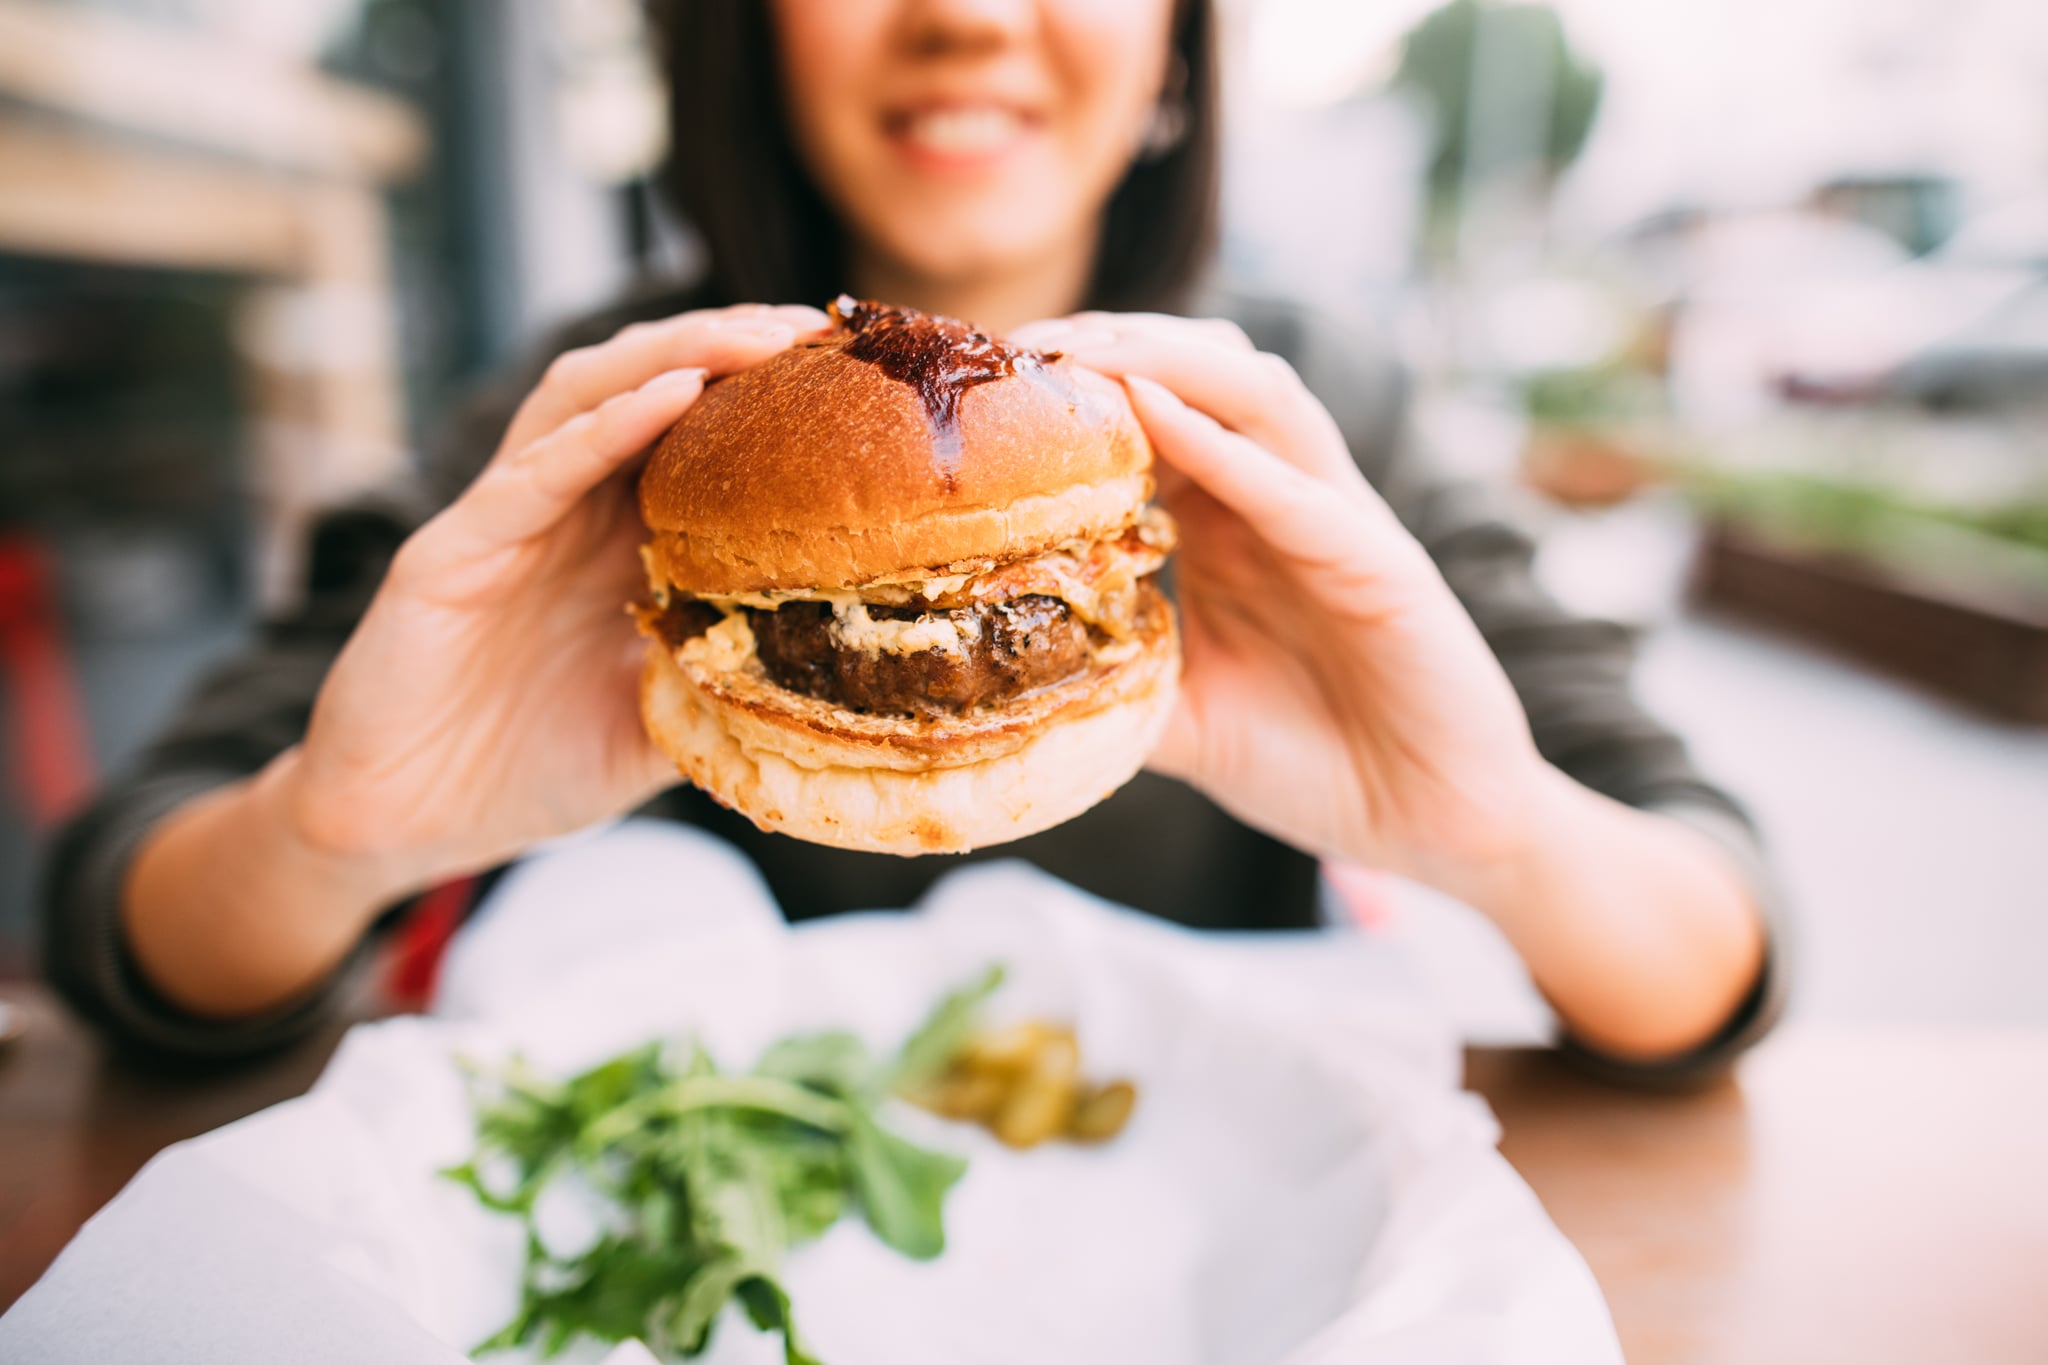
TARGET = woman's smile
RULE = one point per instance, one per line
(964, 137)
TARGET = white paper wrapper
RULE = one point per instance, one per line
(1302, 1181)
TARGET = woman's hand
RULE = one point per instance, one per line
(489, 697)
(1336, 695)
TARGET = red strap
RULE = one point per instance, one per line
(422, 941)
(1362, 892)
(53, 767)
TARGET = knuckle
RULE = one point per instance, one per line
(1228, 332)
(565, 369)
(1276, 376)
(585, 428)
(416, 559)
(603, 426)
(607, 414)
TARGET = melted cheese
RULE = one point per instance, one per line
(1098, 579)
(933, 588)
(657, 586)
(725, 648)
(854, 628)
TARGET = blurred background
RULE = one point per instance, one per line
(1743, 302)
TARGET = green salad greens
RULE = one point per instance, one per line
(706, 1179)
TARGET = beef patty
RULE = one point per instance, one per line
(681, 621)
(1021, 645)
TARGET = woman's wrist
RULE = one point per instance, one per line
(1505, 843)
(229, 910)
(1640, 931)
(356, 880)
(1550, 827)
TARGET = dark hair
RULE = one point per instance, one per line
(734, 173)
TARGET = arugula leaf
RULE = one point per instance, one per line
(928, 1052)
(808, 1171)
(902, 1187)
(733, 1200)
(767, 1305)
(689, 1324)
(605, 1294)
(834, 1064)
(715, 1177)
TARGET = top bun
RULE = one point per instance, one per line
(898, 445)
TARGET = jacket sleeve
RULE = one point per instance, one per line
(1573, 675)
(242, 714)
(251, 708)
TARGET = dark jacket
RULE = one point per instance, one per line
(1156, 844)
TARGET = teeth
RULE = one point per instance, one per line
(960, 132)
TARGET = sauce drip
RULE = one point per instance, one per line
(940, 358)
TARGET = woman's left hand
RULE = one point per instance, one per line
(1335, 693)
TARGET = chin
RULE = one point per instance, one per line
(902, 589)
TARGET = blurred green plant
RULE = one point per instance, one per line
(1592, 397)
(1438, 61)
(1855, 516)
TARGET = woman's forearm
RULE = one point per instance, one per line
(1640, 930)
(229, 911)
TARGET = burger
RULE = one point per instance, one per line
(902, 588)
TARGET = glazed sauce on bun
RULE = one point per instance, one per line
(940, 358)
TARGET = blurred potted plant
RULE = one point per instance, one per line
(1593, 433)
(1953, 596)
(1510, 98)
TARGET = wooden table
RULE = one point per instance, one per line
(1859, 1196)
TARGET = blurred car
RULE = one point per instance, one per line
(1999, 359)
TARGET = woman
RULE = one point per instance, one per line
(1370, 674)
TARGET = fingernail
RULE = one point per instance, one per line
(675, 379)
(1086, 339)
(1042, 333)
(759, 327)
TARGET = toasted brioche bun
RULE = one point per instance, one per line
(888, 784)
(899, 448)
(815, 469)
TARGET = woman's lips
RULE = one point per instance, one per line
(960, 136)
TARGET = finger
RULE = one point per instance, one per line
(1179, 746)
(648, 771)
(1298, 514)
(721, 341)
(1209, 361)
(1178, 752)
(1210, 697)
(526, 494)
(1096, 329)
(1167, 326)
(1053, 334)
(1169, 485)
(1251, 392)
(1056, 334)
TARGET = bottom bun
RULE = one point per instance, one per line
(873, 802)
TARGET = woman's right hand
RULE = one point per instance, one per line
(489, 698)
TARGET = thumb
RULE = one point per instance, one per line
(649, 769)
(1178, 753)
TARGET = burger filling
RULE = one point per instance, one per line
(979, 656)
(946, 660)
(944, 644)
